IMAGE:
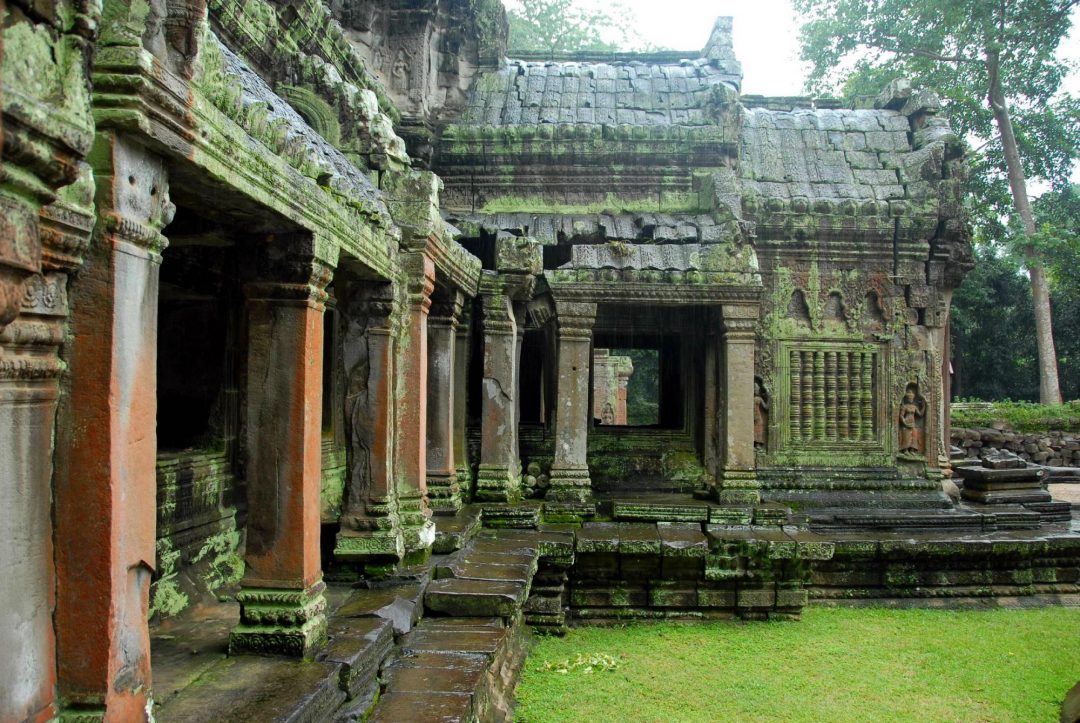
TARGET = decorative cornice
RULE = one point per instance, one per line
(660, 294)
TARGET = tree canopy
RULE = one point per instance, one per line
(995, 64)
(565, 26)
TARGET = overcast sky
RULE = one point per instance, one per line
(766, 36)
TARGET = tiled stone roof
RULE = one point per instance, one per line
(833, 154)
(622, 93)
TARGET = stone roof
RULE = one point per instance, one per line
(344, 177)
(601, 93)
(832, 154)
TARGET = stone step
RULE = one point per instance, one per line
(259, 690)
(475, 598)
(452, 669)
(454, 533)
(632, 510)
(399, 602)
(359, 646)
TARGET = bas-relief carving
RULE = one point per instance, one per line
(761, 414)
(912, 423)
(361, 320)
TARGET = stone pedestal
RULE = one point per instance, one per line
(106, 445)
(499, 476)
(411, 472)
(1004, 479)
(282, 610)
(462, 357)
(570, 480)
(370, 526)
(444, 494)
(737, 480)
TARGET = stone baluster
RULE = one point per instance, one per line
(796, 396)
(106, 444)
(738, 478)
(412, 415)
(444, 494)
(570, 480)
(282, 608)
(370, 531)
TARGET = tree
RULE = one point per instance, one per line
(994, 62)
(565, 26)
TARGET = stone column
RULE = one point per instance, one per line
(444, 494)
(282, 609)
(106, 442)
(711, 412)
(370, 526)
(411, 469)
(462, 357)
(570, 480)
(499, 476)
(30, 372)
(737, 481)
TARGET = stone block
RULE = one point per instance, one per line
(670, 594)
(639, 567)
(723, 598)
(756, 598)
(682, 540)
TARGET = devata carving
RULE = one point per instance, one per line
(912, 414)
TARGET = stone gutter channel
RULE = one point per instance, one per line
(446, 641)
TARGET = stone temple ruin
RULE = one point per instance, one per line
(339, 291)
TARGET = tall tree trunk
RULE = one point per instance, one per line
(1049, 387)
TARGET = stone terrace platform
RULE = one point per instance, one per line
(445, 641)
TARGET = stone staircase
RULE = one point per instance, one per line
(445, 641)
(462, 661)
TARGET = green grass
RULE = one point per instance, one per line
(834, 665)
(1023, 416)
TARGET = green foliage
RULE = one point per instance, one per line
(643, 388)
(566, 26)
(835, 665)
(858, 47)
(993, 332)
(1021, 416)
(992, 310)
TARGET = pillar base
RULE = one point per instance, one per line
(376, 545)
(570, 484)
(280, 621)
(497, 483)
(444, 494)
(734, 486)
(465, 480)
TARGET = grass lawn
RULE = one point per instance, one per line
(834, 665)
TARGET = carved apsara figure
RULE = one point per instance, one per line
(912, 411)
(607, 414)
(400, 70)
(761, 415)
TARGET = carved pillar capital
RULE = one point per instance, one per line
(575, 319)
(739, 322)
(420, 282)
(446, 309)
(285, 268)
